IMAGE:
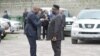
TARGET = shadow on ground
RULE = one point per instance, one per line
(89, 42)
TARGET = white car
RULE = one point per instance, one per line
(68, 20)
(68, 25)
(86, 26)
(4, 23)
(15, 26)
(10, 25)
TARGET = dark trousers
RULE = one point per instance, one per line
(39, 32)
(1, 30)
(45, 31)
(0, 38)
(56, 45)
(33, 45)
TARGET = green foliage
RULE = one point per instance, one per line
(18, 18)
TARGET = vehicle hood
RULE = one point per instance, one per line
(12, 21)
(3, 20)
(69, 19)
(88, 21)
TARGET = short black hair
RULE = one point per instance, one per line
(5, 11)
(56, 6)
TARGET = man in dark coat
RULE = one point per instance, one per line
(32, 23)
(45, 23)
(25, 17)
(1, 30)
(6, 16)
(55, 30)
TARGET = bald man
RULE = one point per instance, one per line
(32, 23)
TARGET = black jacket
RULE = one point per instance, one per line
(32, 23)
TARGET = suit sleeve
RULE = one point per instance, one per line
(58, 23)
(34, 20)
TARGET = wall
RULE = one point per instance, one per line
(16, 7)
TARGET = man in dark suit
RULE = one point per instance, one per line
(6, 16)
(25, 17)
(55, 30)
(32, 23)
(45, 23)
(1, 30)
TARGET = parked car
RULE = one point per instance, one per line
(2, 33)
(68, 21)
(4, 25)
(86, 26)
(15, 26)
(10, 25)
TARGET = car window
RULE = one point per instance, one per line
(66, 13)
(89, 15)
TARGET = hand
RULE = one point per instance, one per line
(46, 19)
(54, 39)
(41, 19)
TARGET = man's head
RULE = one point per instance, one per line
(25, 9)
(36, 9)
(5, 12)
(55, 9)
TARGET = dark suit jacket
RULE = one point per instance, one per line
(32, 23)
(55, 28)
(64, 19)
(6, 16)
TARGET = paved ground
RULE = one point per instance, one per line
(17, 45)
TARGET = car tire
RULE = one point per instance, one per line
(12, 31)
(4, 34)
(74, 41)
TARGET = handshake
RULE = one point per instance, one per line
(41, 19)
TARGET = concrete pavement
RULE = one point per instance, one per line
(17, 45)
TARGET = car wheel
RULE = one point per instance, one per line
(74, 41)
(3, 35)
(12, 31)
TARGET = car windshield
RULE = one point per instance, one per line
(89, 15)
(66, 13)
